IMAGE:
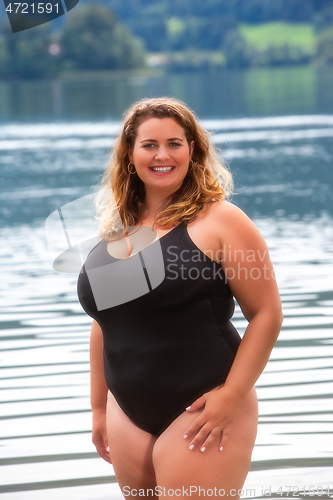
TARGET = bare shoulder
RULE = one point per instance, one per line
(226, 209)
(232, 223)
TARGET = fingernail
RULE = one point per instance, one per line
(188, 408)
(203, 448)
(221, 449)
(185, 436)
(192, 446)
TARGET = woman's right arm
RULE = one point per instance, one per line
(98, 392)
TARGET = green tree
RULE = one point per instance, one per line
(258, 11)
(324, 18)
(153, 31)
(196, 33)
(4, 56)
(92, 39)
(26, 54)
(236, 50)
(325, 46)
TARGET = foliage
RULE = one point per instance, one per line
(190, 60)
(26, 54)
(196, 33)
(280, 56)
(153, 32)
(242, 10)
(236, 50)
(196, 24)
(189, 33)
(324, 27)
(92, 39)
(269, 44)
(262, 11)
(278, 34)
(324, 18)
(134, 12)
(325, 46)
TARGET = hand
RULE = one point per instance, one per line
(220, 408)
(99, 436)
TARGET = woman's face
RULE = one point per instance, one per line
(161, 154)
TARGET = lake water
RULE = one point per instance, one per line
(275, 129)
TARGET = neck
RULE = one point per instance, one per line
(154, 201)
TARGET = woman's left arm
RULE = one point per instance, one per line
(250, 275)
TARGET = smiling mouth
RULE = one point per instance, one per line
(162, 169)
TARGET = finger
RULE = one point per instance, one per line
(104, 453)
(212, 437)
(225, 437)
(197, 404)
(194, 427)
(220, 443)
(199, 438)
(102, 448)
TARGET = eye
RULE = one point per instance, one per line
(175, 144)
(150, 145)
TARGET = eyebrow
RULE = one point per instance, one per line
(171, 139)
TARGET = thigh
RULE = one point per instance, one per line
(130, 452)
(178, 467)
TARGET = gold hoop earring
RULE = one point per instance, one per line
(129, 168)
(190, 166)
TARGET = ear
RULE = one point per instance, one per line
(129, 154)
(192, 148)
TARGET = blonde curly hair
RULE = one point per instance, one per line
(120, 203)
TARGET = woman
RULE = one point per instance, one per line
(174, 406)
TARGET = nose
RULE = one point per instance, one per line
(162, 154)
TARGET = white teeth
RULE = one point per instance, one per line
(162, 169)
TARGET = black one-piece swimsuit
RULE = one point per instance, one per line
(167, 347)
